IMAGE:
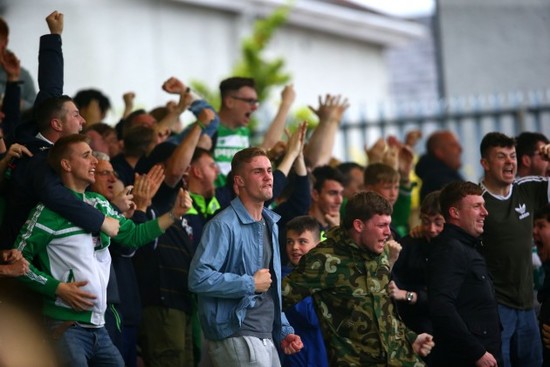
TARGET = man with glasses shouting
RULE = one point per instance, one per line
(239, 100)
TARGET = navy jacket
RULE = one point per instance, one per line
(31, 180)
(462, 301)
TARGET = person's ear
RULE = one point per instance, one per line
(358, 225)
(228, 102)
(525, 160)
(56, 124)
(314, 195)
(484, 163)
(66, 165)
(238, 180)
(454, 213)
(195, 171)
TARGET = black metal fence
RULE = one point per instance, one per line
(469, 118)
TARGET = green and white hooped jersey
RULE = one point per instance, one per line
(229, 142)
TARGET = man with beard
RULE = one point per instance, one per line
(236, 273)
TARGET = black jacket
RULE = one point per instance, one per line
(409, 273)
(434, 174)
(462, 301)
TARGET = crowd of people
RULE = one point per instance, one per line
(147, 243)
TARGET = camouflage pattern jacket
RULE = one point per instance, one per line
(348, 285)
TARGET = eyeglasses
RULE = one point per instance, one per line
(250, 101)
(106, 173)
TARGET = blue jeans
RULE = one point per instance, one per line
(82, 347)
(521, 342)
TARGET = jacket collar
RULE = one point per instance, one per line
(452, 231)
(245, 217)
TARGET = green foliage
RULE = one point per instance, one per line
(212, 96)
(266, 73)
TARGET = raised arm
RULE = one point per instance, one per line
(330, 111)
(294, 150)
(50, 60)
(180, 159)
(11, 104)
(275, 130)
(128, 99)
(174, 86)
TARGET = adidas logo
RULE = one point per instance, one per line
(522, 211)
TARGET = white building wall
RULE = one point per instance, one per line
(134, 45)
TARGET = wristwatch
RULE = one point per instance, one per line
(410, 296)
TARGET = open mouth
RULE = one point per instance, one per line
(509, 171)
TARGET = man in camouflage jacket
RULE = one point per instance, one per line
(347, 276)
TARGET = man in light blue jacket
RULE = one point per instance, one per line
(236, 272)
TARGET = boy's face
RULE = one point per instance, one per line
(299, 244)
(330, 198)
(541, 235)
(389, 190)
(432, 225)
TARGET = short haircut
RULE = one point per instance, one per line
(304, 223)
(526, 143)
(4, 28)
(62, 148)
(430, 205)
(379, 172)
(137, 140)
(434, 140)
(346, 167)
(324, 173)
(85, 96)
(129, 122)
(198, 153)
(495, 139)
(49, 109)
(543, 213)
(245, 156)
(235, 83)
(454, 192)
(363, 206)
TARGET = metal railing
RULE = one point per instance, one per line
(469, 118)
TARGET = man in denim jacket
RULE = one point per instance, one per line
(236, 272)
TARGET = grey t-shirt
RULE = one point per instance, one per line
(259, 319)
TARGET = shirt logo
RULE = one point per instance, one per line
(522, 211)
